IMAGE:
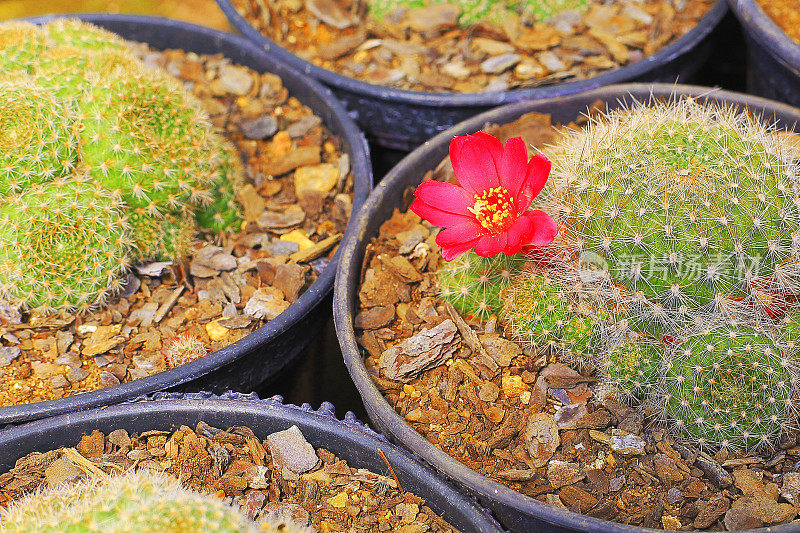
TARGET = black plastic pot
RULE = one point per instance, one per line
(349, 440)
(262, 354)
(515, 511)
(403, 120)
(773, 59)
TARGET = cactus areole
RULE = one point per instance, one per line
(678, 260)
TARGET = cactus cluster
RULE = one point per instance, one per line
(136, 501)
(476, 11)
(680, 225)
(113, 162)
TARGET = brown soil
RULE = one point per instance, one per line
(238, 467)
(786, 14)
(426, 50)
(202, 300)
(525, 420)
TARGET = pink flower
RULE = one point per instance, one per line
(488, 210)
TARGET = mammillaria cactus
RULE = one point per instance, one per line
(730, 385)
(78, 107)
(132, 502)
(474, 284)
(679, 215)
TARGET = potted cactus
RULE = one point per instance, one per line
(198, 462)
(132, 501)
(612, 321)
(412, 68)
(134, 237)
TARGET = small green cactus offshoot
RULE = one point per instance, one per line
(137, 501)
(730, 386)
(472, 11)
(631, 369)
(77, 105)
(541, 311)
(474, 284)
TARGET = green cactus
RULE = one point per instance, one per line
(689, 205)
(544, 313)
(729, 386)
(474, 284)
(64, 245)
(472, 11)
(631, 369)
(546, 9)
(77, 105)
(137, 501)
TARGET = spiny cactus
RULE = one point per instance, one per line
(729, 386)
(631, 368)
(690, 206)
(472, 11)
(78, 105)
(542, 311)
(64, 244)
(184, 348)
(681, 230)
(474, 284)
(381, 8)
(137, 501)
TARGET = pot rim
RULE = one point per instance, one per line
(313, 296)
(682, 45)
(761, 28)
(348, 281)
(246, 409)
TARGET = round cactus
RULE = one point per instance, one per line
(474, 284)
(689, 205)
(79, 105)
(729, 386)
(381, 8)
(631, 369)
(544, 312)
(136, 501)
(64, 245)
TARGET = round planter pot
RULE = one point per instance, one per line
(349, 440)
(261, 355)
(403, 120)
(773, 58)
(515, 511)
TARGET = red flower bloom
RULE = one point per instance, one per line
(488, 210)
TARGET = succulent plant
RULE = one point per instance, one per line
(691, 207)
(680, 224)
(474, 284)
(139, 500)
(381, 8)
(76, 106)
(729, 386)
(184, 348)
(472, 11)
(542, 311)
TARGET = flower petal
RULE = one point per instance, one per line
(450, 253)
(455, 235)
(445, 196)
(514, 166)
(541, 229)
(490, 245)
(436, 216)
(476, 161)
(536, 176)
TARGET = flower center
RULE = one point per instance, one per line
(494, 209)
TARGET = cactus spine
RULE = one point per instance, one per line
(137, 501)
(77, 107)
